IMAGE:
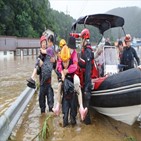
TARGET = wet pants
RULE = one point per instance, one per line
(69, 105)
(87, 96)
(46, 91)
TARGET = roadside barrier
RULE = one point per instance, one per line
(10, 118)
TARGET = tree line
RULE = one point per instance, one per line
(29, 18)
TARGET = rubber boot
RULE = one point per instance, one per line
(73, 120)
(87, 119)
(65, 119)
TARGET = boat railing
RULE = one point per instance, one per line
(111, 61)
(10, 118)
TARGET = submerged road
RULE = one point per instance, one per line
(13, 75)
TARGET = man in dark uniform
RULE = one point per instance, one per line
(87, 56)
(129, 53)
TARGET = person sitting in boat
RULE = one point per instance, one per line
(69, 100)
(129, 53)
(71, 68)
(86, 63)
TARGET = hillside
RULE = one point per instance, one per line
(30, 18)
(132, 19)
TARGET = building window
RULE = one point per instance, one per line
(5, 52)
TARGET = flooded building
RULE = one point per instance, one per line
(11, 46)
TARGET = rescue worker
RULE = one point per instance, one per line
(57, 109)
(69, 100)
(45, 78)
(72, 67)
(43, 68)
(85, 62)
(129, 53)
(72, 45)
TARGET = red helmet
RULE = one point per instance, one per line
(85, 34)
(127, 38)
(43, 38)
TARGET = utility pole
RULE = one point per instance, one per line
(66, 28)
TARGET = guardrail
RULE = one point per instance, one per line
(9, 119)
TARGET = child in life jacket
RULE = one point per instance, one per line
(69, 100)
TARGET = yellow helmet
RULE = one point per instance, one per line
(65, 53)
(62, 43)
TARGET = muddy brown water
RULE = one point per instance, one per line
(13, 75)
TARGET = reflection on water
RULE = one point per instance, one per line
(13, 75)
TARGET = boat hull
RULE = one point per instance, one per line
(119, 96)
(127, 114)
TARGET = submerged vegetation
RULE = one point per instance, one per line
(131, 138)
(45, 131)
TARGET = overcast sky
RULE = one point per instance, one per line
(78, 8)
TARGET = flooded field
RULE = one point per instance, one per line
(13, 75)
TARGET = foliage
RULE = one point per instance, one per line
(24, 18)
(29, 18)
(131, 138)
(44, 133)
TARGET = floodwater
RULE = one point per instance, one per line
(13, 75)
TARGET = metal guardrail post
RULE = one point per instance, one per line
(9, 119)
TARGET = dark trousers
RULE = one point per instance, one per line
(86, 103)
(69, 105)
(46, 91)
